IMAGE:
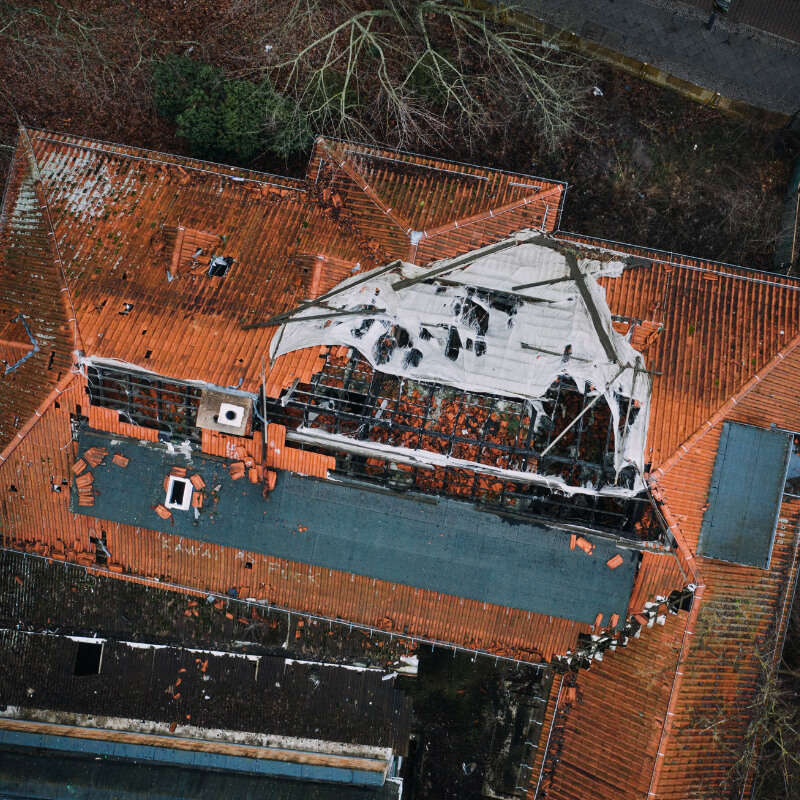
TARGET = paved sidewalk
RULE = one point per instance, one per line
(737, 60)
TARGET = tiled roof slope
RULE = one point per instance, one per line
(611, 730)
(114, 234)
(721, 325)
(36, 517)
(30, 285)
(744, 608)
(452, 208)
(721, 340)
(739, 628)
(123, 217)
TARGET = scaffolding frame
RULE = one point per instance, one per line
(152, 402)
(348, 397)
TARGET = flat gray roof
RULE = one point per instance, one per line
(442, 545)
(745, 494)
(33, 766)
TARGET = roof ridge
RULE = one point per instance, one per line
(378, 150)
(354, 173)
(480, 216)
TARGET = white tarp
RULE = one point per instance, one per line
(491, 331)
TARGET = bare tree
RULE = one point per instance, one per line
(418, 69)
(86, 47)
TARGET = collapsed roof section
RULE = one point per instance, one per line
(510, 320)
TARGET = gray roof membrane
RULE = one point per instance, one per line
(44, 774)
(745, 494)
(441, 545)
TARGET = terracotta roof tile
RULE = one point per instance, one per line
(460, 206)
(29, 284)
(723, 342)
(37, 516)
(116, 236)
(658, 575)
(106, 419)
(721, 669)
(621, 700)
(427, 192)
(716, 333)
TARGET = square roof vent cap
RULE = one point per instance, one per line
(230, 414)
(179, 493)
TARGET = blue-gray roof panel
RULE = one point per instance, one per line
(745, 494)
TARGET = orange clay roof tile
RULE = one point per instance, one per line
(621, 700)
(30, 283)
(715, 336)
(42, 516)
(719, 660)
(722, 342)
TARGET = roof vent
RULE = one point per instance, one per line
(225, 413)
(179, 493)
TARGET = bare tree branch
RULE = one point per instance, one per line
(422, 69)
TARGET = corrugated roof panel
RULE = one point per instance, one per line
(350, 706)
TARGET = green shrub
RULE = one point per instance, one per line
(175, 79)
(223, 119)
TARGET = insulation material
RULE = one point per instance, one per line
(476, 329)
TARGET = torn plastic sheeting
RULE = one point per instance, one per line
(467, 329)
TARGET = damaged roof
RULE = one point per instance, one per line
(442, 546)
(269, 695)
(120, 283)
